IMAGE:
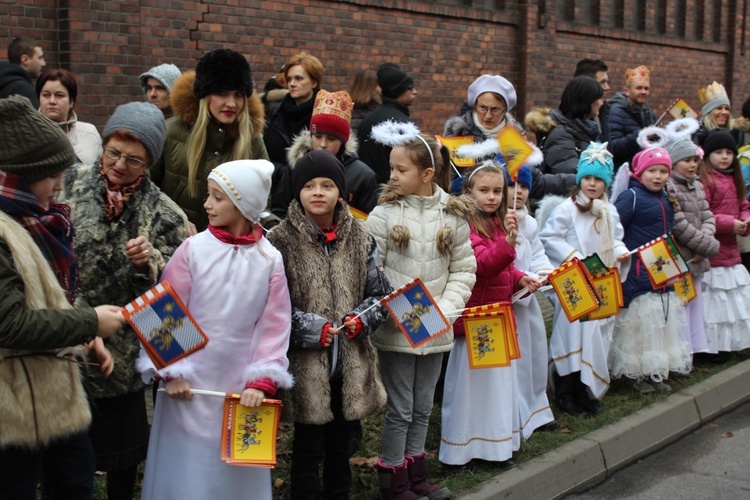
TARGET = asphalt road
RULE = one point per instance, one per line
(710, 463)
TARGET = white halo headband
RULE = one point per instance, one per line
(682, 129)
(391, 133)
(644, 137)
(486, 164)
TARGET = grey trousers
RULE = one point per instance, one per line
(410, 383)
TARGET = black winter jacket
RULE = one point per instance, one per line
(625, 122)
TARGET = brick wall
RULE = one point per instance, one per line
(107, 44)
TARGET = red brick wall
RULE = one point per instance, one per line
(107, 44)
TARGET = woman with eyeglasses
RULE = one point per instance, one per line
(126, 230)
(574, 125)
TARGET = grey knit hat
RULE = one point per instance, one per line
(684, 148)
(32, 146)
(142, 120)
(165, 73)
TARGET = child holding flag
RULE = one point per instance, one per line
(647, 344)
(248, 330)
(472, 394)
(335, 275)
(726, 286)
(578, 226)
(420, 232)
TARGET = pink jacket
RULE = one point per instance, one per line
(722, 200)
(497, 277)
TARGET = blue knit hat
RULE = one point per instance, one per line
(524, 177)
(596, 161)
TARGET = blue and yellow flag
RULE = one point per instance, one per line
(415, 312)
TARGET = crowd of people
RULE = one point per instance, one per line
(283, 219)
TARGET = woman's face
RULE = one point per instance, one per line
(300, 85)
(595, 106)
(131, 161)
(721, 115)
(226, 106)
(54, 101)
(490, 109)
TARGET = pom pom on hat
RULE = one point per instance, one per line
(33, 146)
(647, 158)
(718, 138)
(221, 70)
(332, 113)
(247, 183)
(596, 161)
(317, 164)
(393, 80)
(495, 84)
(524, 177)
(165, 73)
(144, 121)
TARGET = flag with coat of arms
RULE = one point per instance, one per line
(416, 313)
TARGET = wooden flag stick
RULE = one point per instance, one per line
(219, 394)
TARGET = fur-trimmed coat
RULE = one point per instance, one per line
(694, 225)
(361, 186)
(327, 282)
(41, 397)
(107, 275)
(425, 237)
(170, 173)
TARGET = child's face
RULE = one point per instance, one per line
(721, 158)
(220, 209)
(326, 142)
(521, 195)
(46, 189)
(319, 197)
(406, 177)
(488, 191)
(687, 167)
(593, 187)
(655, 177)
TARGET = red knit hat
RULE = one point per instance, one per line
(331, 114)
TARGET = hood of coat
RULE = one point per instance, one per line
(185, 105)
(302, 144)
(539, 120)
(461, 206)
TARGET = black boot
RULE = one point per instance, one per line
(564, 397)
(588, 403)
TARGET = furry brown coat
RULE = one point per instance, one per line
(327, 283)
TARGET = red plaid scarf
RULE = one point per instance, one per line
(51, 229)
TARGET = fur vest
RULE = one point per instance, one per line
(41, 396)
(107, 275)
(170, 173)
(330, 285)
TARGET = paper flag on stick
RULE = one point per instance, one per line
(681, 109)
(609, 288)
(575, 289)
(357, 214)
(516, 151)
(416, 313)
(453, 143)
(491, 339)
(248, 436)
(663, 261)
(164, 326)
(685, 288)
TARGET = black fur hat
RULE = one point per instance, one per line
(220, 70)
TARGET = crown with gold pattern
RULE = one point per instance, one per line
(712, 97)
(641, 73)
(332, 113)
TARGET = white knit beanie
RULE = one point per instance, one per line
(247, 183)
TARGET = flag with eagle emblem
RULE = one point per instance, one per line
(416, 313)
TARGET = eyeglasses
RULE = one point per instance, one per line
(131, 162)
(483, 110)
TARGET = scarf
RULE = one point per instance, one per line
(225, 236)
(600, 210)
(50, 228)
(489, 133)
(116, 196)
(590, 127)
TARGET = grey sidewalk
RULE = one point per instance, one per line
(592, 458)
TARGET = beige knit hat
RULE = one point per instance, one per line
(33, 146)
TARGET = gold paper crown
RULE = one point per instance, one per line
(640, 73)
(713, 91)
(338, 104)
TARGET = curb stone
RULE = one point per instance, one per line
(590, 459)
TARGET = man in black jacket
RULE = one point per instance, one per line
(398, 95)
(25, 62)
(629, 114)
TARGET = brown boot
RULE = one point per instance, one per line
(418, 477)
(394, 483)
